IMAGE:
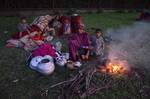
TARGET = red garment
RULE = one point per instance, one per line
(76, 22)
(45, 49)
(38, 37)
(31, 29)
(63, 18)
(78, 19)
(75, 42)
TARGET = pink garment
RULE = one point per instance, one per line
(44, 49)
(75, 42)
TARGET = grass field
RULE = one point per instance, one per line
(17, 81)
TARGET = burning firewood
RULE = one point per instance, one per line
(92, 80)
(115, 67)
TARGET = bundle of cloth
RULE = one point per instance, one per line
(33, 36)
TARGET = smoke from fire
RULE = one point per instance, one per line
(131, 43)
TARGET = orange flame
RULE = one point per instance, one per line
(116, 67)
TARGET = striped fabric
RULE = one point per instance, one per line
(42, 21)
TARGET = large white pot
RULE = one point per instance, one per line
(44, 65)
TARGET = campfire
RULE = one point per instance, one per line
(90, 80)
(115, 67)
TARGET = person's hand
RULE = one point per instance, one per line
(91, 47)
(102, 46)
(87, 56)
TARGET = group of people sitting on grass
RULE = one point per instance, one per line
(37, 37)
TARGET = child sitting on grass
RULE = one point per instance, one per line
(23, 25)
(98, 43)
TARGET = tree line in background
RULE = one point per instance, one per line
(52, 4)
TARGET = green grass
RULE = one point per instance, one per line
(30, 84)
(108, 20)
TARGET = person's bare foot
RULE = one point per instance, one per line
(86, 57)
(83, 57)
